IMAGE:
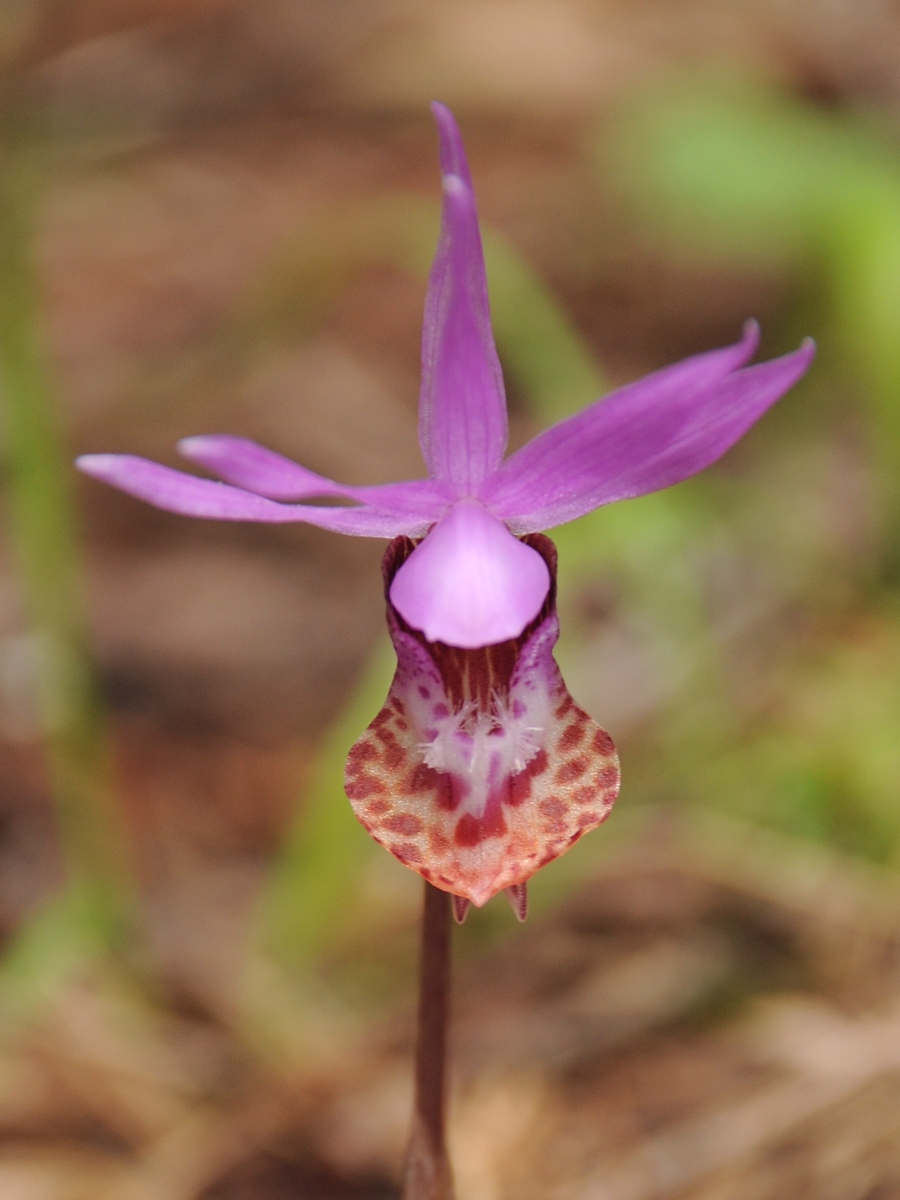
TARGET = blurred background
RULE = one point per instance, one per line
(218, 216)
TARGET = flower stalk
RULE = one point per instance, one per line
(428, 1175)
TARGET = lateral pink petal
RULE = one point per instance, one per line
(470, 583)
(462, 405)
(255, 468)
(186, 494)
(644, 437)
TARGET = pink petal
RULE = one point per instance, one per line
(254, 468)
(480, 768)
(180, 493)
(470, 583)
(643, 437)
(462, 406)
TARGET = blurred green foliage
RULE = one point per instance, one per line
(95, 909)
(744, 171)
(297, 288)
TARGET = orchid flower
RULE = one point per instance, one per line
(480, 768)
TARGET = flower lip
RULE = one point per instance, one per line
(480, 768)
(470, 583)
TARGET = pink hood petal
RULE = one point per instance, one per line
(470, 583)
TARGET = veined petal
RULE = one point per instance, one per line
(470, 583)
(186, 494)
(480, 768)
(255, 468)
(644, 437)
(462, 406)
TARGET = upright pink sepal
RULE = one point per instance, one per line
(462, 403)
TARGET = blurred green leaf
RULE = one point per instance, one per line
(742, 167)
(313, 888)
(295, 292)
(747, 171)
(40, 511)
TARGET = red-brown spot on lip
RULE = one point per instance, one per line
(385, 736)
(471, 831)
(573, 735)
(362, 786)
(603, 743)
(585, 795)
(437, 841)
(538, 764)
(553, 807)
(407, 824)
(377, 808)
(423, 779)
(519, 789)
(608, 778)
(520, 784)
(380, 719)
(587, 818)
(393, 756)
(407, 852)
(565, 706)
(570, 771)
(361, 753)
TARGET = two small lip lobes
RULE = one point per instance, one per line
(480, 768)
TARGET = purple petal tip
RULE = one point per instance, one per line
(97, 465)
(453, 153)
(190, 446)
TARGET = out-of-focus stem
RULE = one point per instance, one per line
(428, 1175)
(40, 514)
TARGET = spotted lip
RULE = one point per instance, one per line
(520, 775)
